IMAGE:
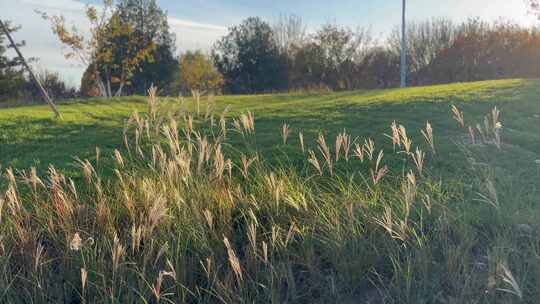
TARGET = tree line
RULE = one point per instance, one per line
(258, 57)
(130, 48)
(15, 84)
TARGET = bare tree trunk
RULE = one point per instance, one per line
(32, 75)
(119, 90)
(102, 89)
(100, 84)
(109, 91)
(121, 86)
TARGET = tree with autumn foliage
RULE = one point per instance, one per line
(121, 52)
(112, 52)
(197, 74)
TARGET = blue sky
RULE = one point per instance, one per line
(198, 23)
(380, 14)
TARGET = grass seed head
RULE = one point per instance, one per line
(301, 138)
(314, 161)
(325, 150)
(428, 136)
(233, 260)
(458, 116)
(285, 130)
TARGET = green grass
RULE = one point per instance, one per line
(29, 136)
(168, 223)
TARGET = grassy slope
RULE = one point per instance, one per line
(446, 262)
(29, 136)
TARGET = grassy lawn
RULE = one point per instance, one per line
(29, 136)
(190, 215)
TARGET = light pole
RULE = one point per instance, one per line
(403, 48)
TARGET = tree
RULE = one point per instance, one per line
(56, 88)
(11, 74)
(308, 68)
(198, 75)
(342, 49)
(426, 40)
(289, 34)
(120, 54)
(113, 52)
(249, 59)
(7, 31)
(382, 69)
(89, 86)
(534, 7)
(150, 26)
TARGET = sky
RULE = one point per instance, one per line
(199, 23)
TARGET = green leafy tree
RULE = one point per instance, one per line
(150, 27)
(249, 58)
(11, 75)
(308, 67)
(7, 64)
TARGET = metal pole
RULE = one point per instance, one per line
(403, 48)
(32, 75)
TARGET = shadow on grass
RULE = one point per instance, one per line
(56, 143)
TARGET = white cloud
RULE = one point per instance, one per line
(195, 25)
(192, 35)
(42, 44)
(63, 5)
